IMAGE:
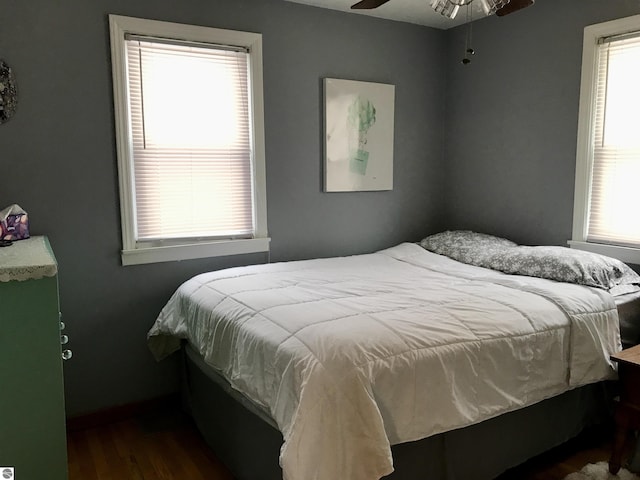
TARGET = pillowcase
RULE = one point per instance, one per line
(466, 246)
(565, 264)
(562, 264)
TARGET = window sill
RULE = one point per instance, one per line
(139, 256)
(624, 254)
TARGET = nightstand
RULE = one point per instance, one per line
(627, 415)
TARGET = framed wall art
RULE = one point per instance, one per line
(358, 133)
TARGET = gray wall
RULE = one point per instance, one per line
(512, 119)
(57, 160)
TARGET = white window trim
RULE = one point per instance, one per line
(584, 154)
(139, 253)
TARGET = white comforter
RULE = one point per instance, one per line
(350, 355)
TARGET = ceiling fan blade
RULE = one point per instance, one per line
(513, 6)
(368, 4)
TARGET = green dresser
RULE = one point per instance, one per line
(32, 418)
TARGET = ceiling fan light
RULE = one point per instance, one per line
(445, 8)
(491, 6)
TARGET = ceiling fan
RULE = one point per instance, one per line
(449, 8)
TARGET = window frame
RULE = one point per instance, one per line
(584, 150)
(135, 252)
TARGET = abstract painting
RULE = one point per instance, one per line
(358, 129)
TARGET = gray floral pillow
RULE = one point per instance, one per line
(466, 246)
(562, 264)
(565, 265)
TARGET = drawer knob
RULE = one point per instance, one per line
(67, 354)
(64, 339)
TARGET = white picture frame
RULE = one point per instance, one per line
(358, 134)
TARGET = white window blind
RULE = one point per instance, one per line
(191, 140)
(615, 176)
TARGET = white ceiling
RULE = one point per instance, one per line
(412, 11)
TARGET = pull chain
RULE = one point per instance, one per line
(469, 51)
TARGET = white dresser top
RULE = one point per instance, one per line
(28, 259)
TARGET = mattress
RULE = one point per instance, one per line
(351, 355)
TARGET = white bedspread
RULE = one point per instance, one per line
(350, 355)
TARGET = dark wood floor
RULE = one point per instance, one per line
(164, 445)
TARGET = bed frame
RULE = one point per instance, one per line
(249, 444)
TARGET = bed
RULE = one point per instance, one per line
(393, 363)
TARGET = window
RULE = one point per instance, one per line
(189, 131)
(606, 206)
